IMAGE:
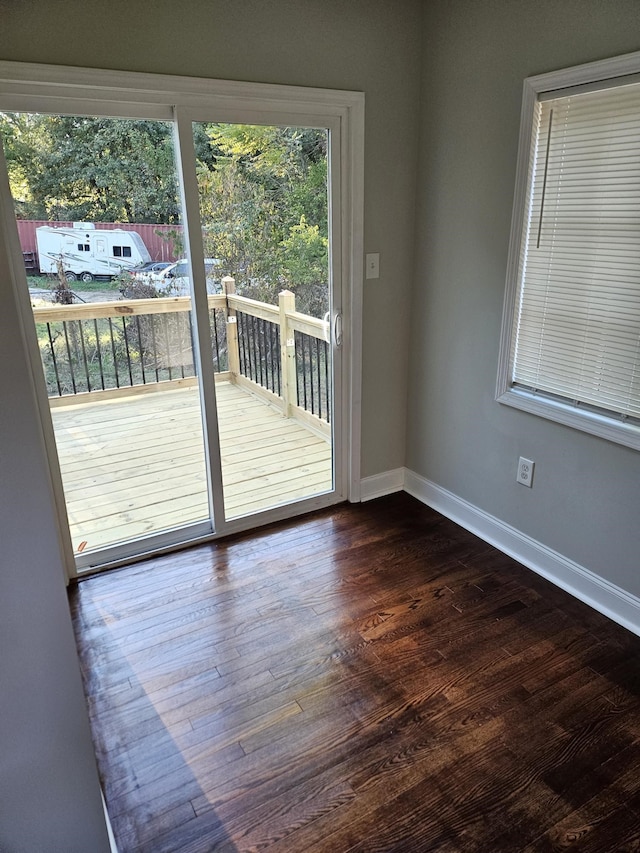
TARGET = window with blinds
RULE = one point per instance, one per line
(573, 334)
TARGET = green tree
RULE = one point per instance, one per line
(94, 169)
(263, 190)
(264, 210)
(305, 261)
(23, 136)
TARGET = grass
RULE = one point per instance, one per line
(48, 282)
(90, 286)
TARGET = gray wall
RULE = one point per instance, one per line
(49, 791)
(47, 778)
(362, 45)
(585, 501)
(474, 57)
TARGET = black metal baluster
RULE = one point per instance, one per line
(296, 349)
(326, 381)
(319, 378)
(99, 352)
(255, 332)
(126, 346)
(272, 362)
(213, 320)
(265, 352)
(311, 384)
(304, 370)
(155, 347)
(268, 364)
(245, 349)
(179, 322)
(54, 359)
(192, 366)
(258, 325)
(142, 350)
(250, 345)
(113, 351)
(240, 342)
(261, 353)
(224, 339)
(245, 330)
(254, 349)
(166, 342)
(69, 358)
(84, 355)
(276, 334)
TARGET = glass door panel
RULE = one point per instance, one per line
(264, 212)
(96, 201)
(169, 422)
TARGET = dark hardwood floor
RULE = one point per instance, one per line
(371, 678)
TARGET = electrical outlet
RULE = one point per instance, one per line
(525, 471)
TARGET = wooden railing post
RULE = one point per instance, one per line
(287, 303)
(229, 286)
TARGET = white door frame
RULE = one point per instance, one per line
(59, 89)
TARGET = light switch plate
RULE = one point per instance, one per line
(372, 265)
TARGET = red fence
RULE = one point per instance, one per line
(160, 247)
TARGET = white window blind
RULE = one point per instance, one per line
(576, 334)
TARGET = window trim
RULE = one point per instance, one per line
(590, 75)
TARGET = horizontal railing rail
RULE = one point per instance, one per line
(120, 308)
(132, 344)
(140, 344)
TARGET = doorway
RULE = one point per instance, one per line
(192, 399)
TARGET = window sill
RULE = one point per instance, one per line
(627, 434)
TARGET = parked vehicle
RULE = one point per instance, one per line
(87, 253)
(150, 268)
(174, 280)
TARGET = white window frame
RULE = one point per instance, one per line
(591, 75)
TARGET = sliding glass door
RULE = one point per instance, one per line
(118, 357)
(185, 282)
(263, 204)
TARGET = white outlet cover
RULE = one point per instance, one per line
(524, 474)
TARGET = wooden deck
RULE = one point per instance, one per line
(134, 465)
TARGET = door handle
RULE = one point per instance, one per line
(337, 329)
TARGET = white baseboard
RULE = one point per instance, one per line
(112, 840)
(603, 596)
(382, 484)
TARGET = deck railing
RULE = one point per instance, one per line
(140, 345)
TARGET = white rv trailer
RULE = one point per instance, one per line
(87, 252)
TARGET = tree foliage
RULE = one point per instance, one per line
(264, 210)
(263, 190)
(91, 169)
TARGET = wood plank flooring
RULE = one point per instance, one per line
(368, 678)
(134, 466)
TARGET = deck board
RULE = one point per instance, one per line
(135, 465)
